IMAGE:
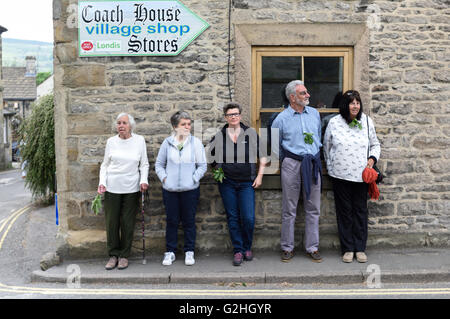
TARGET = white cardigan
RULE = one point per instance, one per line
(125, 164)
(345, 148)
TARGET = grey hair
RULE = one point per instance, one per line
(130, 119)
(290, 88)
(176, 118)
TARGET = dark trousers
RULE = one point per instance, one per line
(352, 214)
(120, 214)
(239, 202)
(180, 206)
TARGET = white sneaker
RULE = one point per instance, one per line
(169, 257)
(189, 258)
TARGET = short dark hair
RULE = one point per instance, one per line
(345, 101)
(231, 105)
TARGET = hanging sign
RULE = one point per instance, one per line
(134, 28)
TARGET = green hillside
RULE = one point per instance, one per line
(14, 52)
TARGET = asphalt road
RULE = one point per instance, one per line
(27, 234)
(13, 194)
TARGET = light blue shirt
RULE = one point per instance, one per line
(292, 125)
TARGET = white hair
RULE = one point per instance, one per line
(130, 119)
(290, 88)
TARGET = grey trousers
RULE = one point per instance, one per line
(291, 181)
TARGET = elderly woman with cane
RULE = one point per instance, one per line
(351, 148)
(123, 173)
(180, 165)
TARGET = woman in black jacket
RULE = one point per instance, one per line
(235, 149)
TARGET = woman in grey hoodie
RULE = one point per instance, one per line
(180, 165)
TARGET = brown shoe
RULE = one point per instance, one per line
(315, 256)
(123, 263)
(112, 263)
(286, 256)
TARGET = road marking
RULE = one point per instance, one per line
(221, 292)
(11, 220)
(6, 220)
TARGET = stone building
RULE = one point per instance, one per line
(3, 161)
(396, 53)
(19, 92)
(20, 87)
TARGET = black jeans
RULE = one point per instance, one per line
(350, 199)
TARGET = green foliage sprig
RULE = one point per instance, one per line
(97, 204)
(308, 138)
(355, 123)
(38, 134)
(218, 174)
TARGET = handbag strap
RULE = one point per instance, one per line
(368, 137)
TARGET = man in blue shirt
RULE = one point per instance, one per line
(300, 134)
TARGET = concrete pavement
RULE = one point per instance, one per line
(394, 265)
(384, 266)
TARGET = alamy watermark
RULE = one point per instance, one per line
(374, 278)
(74, 278)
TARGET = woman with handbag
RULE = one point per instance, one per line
(347, 139)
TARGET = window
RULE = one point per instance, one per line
(326, 71)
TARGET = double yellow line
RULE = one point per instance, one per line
(230, 293)
(10, 221)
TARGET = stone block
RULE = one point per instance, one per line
(79, 124)
(442, 76)
(426, 142)
(83, 178)
(412, 209)
(86, 243)
(86, 75)
(124, 79)
(380, 209)
(417, 76)
(66, 53)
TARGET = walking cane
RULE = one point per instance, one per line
(143, 229)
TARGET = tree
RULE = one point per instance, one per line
(38, 149)
(42, 76)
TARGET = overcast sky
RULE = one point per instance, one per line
(27, 19)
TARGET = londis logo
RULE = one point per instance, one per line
(87, 46)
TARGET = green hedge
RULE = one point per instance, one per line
(38, 149)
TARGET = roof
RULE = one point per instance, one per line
(2, 29)
(17, 86)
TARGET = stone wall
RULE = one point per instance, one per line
(401, 68)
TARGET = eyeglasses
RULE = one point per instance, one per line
(232, 115)
(350, 92)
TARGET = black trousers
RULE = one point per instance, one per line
(350, 199)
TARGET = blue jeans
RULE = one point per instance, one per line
(239, 202)
(180, 206)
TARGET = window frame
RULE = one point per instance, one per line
(347, 52)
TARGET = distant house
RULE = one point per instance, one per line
(19, 92)
(45, 87)
(3, 161)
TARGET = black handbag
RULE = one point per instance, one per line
(380, 175)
